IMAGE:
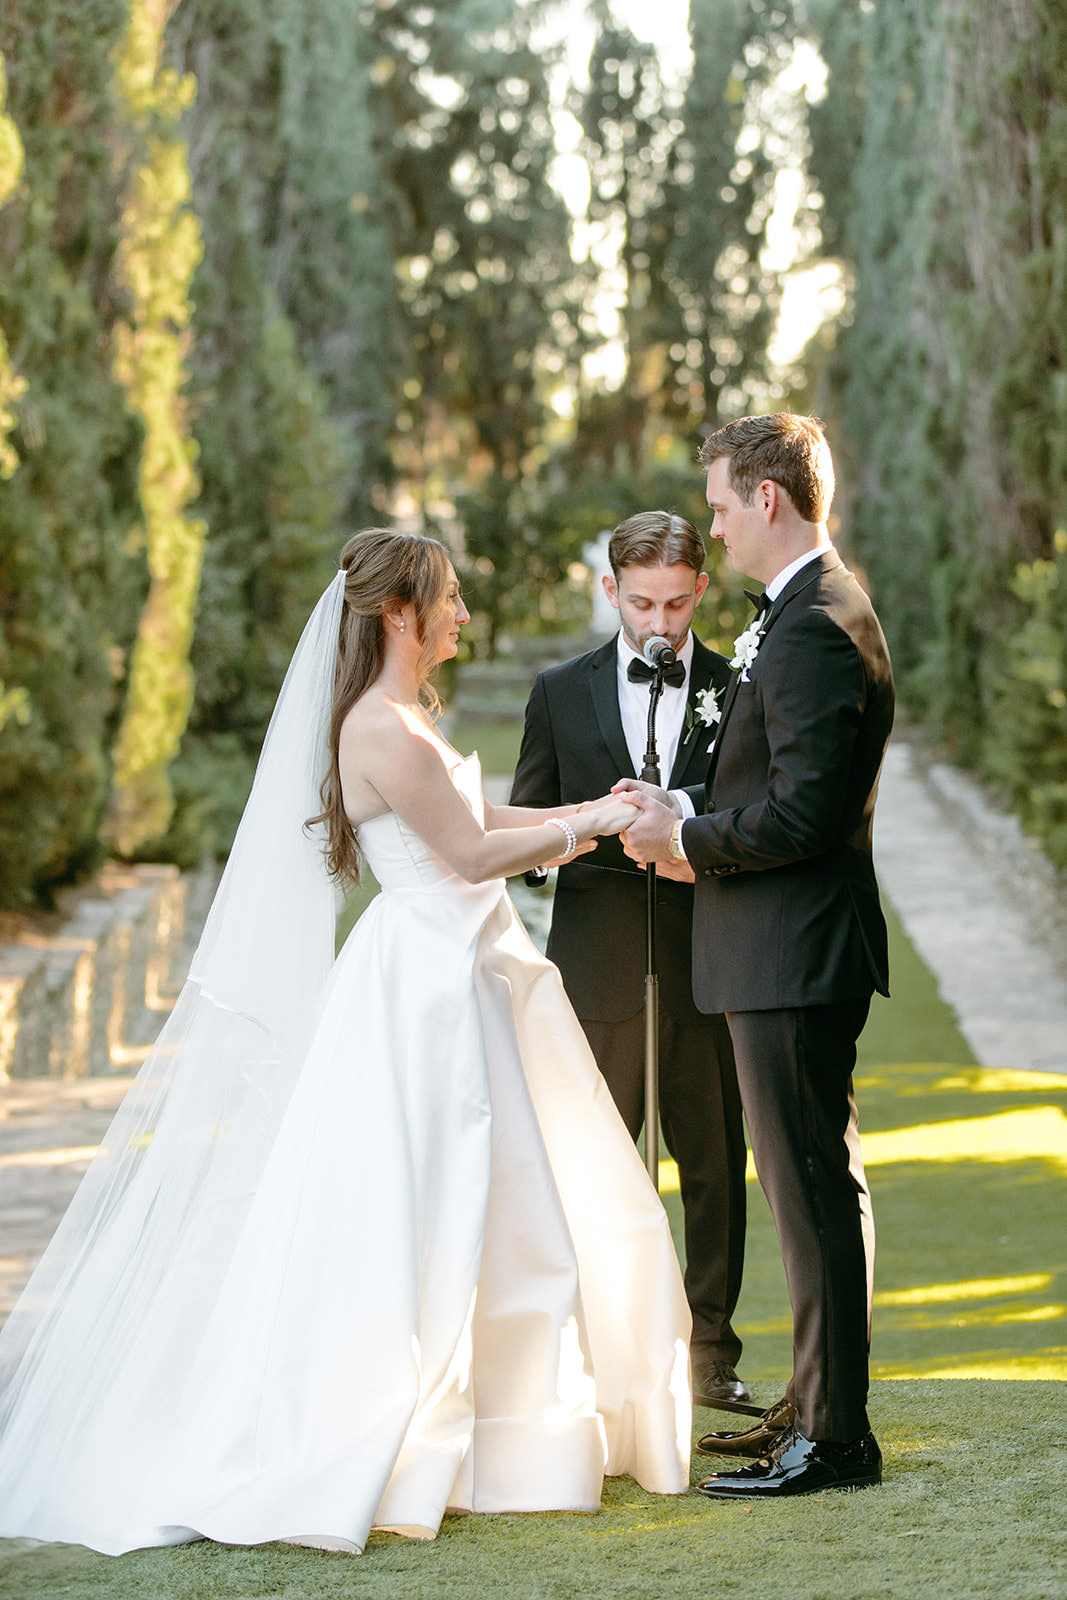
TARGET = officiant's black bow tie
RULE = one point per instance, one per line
(762, 602)
(640, 672)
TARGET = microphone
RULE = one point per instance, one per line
(659, 652)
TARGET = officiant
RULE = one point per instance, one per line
(585, 727)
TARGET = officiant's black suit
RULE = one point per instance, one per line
(789, 940)
(574, 749)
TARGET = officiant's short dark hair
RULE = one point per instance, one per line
(656, 539)
(789, 449)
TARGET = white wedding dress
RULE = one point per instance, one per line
(451, 1285)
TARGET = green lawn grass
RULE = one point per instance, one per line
(969, 1362)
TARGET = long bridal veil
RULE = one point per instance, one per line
(150, 1233)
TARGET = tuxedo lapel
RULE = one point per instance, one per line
(604, 687)
(727, 706)
(691, 757)
(829, 561)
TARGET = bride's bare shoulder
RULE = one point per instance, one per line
(380, 727)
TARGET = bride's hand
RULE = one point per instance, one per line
(595, 805)
(612, 814)
(582, 850)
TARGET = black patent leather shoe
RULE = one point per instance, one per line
(754, 1441)
(800, 1466)
(715, 1383)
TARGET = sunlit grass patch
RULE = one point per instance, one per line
(974, 1288)
(971, 1271)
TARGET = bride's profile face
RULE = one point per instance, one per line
(452, 616)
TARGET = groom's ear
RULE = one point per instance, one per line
(768, 498)
(611, 588)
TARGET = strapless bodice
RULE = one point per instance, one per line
(398, 857)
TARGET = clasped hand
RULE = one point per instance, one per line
(647, 835)
(610, 814)
(643, 816)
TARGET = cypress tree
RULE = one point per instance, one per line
(947, 388)
(160, 249)
(71, 573)
(489, 296)
(290, 376)
(14, 702)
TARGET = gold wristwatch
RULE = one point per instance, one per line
(674, 849)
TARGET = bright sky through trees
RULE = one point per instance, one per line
(811, 295)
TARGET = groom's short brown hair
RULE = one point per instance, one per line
(656, 539)
(790, 450)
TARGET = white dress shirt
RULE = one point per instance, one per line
(633, 708)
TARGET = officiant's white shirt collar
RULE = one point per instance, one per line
(779, 581)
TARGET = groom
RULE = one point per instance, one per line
(788, 934)
(586, 723)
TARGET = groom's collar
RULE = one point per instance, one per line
(780, 579)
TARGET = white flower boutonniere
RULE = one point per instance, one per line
(702, 710)
(746, 645)
(708, 708)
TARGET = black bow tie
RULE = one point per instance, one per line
(762, 602)
(640, 672)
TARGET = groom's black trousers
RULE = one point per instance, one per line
(794, 1069)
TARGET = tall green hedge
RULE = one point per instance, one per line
(941, 149)
(160, 249)
(72, 573)
(290, 387)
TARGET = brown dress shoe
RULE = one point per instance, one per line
(715, 1383)
(753, 1441)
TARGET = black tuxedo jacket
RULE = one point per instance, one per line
(573, 749)
(786, 910)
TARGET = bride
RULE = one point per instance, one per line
(366, 1240)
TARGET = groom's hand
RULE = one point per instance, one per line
(641, 792)
(680, 871)
(648, 837)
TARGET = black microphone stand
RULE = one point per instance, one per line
(650, 774)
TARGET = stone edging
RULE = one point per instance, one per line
(89, 999)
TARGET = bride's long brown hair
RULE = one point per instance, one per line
(383, 570)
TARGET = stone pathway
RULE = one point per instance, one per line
(979, 903)
(48, 1132)
(982, 907)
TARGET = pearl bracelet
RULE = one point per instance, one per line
(568, 833)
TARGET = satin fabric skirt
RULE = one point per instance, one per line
(453, 1286)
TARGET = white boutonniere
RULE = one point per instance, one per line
(707, 706)
(746, 645)
(703, 710)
